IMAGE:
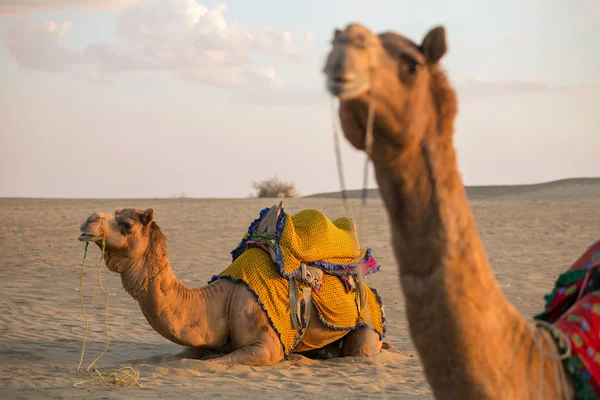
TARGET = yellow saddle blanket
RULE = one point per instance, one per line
(266, 265)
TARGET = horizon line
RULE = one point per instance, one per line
(313, 195)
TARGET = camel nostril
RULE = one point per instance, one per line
(343, 78)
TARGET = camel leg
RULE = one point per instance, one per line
(251, 354)
(199, 353)
(363, 342)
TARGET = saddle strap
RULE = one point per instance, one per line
(361, 294)
(295, 305)
(307, 292)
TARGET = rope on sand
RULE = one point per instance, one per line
(126, 375)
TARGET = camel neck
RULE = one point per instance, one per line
(186, 316)
(461, 323)
(434, 228)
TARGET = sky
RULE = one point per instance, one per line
(155, 98)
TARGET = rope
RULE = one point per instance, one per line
(338, 156)
(559, 371)
(126, 375)
(364, 195)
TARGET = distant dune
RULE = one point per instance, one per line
(556, 190)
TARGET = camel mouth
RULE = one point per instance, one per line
(87, 237)
(347, 86)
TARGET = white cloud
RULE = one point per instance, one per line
(41, 47)
(308, 36)
(182, 37)
(21, 6)
(185, 25)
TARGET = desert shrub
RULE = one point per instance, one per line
(274, 187)
(180, 196)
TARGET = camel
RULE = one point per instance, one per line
(472, 341)
(223, 318)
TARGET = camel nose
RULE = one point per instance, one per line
(92, 218)
(95, 217)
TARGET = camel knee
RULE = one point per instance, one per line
(363, 342)
(264, 355)
(257, 354)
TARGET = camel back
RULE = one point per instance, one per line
(291, 261)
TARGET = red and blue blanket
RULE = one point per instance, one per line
(573, 308)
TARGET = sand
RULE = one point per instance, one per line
(529, 239)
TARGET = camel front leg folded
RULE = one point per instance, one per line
(258, 353)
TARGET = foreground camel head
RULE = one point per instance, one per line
(127, 233)
(388, 66)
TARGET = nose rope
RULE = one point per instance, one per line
(368, 144)
(126, 375)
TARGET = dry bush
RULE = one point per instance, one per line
(180, 196)
(274, 187)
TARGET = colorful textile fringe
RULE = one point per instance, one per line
(577, 316)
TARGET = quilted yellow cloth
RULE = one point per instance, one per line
(307, 237)
(312, 238)
(336, 307)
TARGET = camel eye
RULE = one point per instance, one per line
(409, 64)
(126, 226)
(412, 67)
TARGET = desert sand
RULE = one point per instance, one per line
(531, 236)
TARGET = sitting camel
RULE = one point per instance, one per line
(244, 313)
(472, 342)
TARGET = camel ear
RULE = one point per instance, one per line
(147, 216)
(434, 45)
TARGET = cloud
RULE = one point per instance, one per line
(181, 37)
(476, 88)
(21, 6)
(41, 47)
(187, 27)
(308, 36)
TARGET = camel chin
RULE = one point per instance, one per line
(347, 89)
(86, 237)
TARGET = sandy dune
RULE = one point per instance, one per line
(529, 239)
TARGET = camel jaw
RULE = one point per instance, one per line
(347, 87)
(87, 237)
